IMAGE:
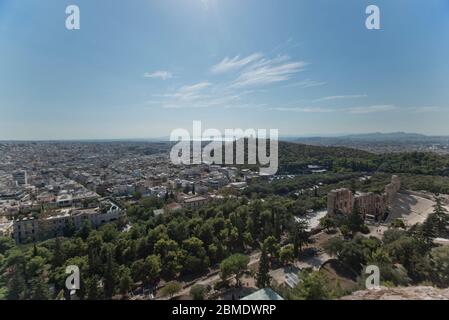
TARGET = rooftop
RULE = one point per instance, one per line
(194, 199)
(263, 294)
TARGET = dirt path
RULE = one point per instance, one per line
(214, 276)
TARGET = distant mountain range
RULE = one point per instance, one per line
(381, 142)
(386, 136)
(398, 137)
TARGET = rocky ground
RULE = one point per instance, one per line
(402, 293)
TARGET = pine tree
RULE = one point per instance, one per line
(92, 288)
(125, 281)
(16, 287)
(299, 235)
(39, 289)
(263, 277)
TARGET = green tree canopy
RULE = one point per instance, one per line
(234, 265)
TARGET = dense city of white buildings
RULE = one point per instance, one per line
(47, 186)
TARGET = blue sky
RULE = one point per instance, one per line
(142, 68)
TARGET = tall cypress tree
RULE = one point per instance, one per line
(58, 257)
(109, 277)
(441, 217)
(263, 277)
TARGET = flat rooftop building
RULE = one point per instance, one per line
(32, 229)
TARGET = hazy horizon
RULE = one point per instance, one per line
(167, 138)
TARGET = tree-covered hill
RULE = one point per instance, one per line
(294, 158)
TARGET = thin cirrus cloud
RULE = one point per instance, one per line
(205, 101)
(308, 83)
(372, 109)
(426, 109)
(341, 97)
(363, 109)
(195, 87)
(304, 110)
(163, 75)
(385, 108)
(249, 73)
(201, 95)
(189, 92)
(353, 110)
(268, 71)
(236, 63)
(256, 70)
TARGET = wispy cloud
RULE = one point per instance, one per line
(385, 108)
(372, 109)
(163, 75)
(236, 63)
(207, 101)
(188, 92)
(267, 71)
(353, 110)
(425, 109)
(195, 87)
(245, 106)
(342, 97)
(306, 84)
(202, 95)
(250, 72)
(304, 110)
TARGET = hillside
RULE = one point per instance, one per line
(294, 158)
(401, 293)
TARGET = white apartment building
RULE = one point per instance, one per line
(20, 177)
(33, 229)
(196, 202)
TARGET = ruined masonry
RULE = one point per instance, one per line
(371, 205)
